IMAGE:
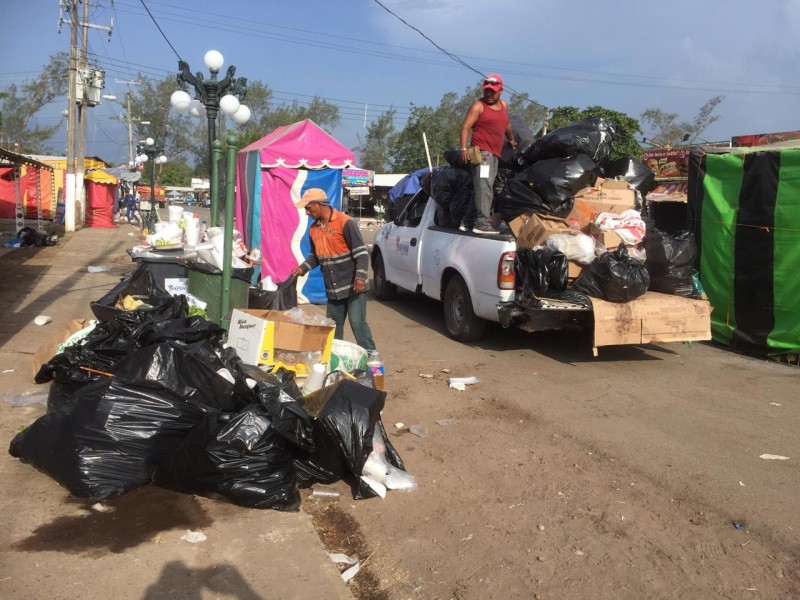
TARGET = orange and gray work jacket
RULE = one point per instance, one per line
(339, 251)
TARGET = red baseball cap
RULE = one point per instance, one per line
(494, 82)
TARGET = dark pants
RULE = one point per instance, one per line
(482, 188)
(131, 212)
(353, 307)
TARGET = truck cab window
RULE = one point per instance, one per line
(412, 215)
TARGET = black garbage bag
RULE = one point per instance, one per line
(516, 198)
(557, 180)
(524, 138)
(454, 158)
(593, 137)
(289, 419)
(614, 277)
(239, 458)
(108, 438)
(141, 284)
(30, 237)
(344, 416)
(670, 260)
(284, 298)
(451, 188)
(539, 272)
(245, 274)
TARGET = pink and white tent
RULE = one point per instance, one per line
(271, 175)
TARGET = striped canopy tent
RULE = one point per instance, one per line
(27, 188)
(744, 208)
(271, 176)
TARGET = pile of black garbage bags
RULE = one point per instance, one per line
(152, 396)
(542, 177)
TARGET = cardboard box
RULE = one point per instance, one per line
(607, 195)
(266, 337)
(652, 318)
(515, 225)
(574, 270)
(608, 239)
(538, 228)
(51, 347)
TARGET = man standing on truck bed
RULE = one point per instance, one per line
(487, 118)
(338, 249)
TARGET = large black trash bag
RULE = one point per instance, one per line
(593, 137)
(614, 276)
(557, 180)
(238, 457)
(455, 158)
(515, 198)
(289, 419)
(451, 188)
(108, 438)
(344, 416)
(524, 138)
(141, 284)
(539, 272)
(670, 260)
(284, 298)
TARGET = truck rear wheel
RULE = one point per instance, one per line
(382, 288)
(459, 318)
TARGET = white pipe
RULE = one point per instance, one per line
(427, 152)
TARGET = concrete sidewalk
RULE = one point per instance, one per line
(56, 546)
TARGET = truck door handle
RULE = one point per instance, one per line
(413, 241)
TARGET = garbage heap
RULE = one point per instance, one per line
(152, 395)
(576, 215)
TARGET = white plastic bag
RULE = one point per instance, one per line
(578, 246)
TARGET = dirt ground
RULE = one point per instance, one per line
(632, 475)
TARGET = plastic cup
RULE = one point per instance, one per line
(315, 379)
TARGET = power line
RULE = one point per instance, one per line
(166, 39)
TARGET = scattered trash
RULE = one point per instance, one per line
(399, 425)
(741, 483)
(350, 573)
(43, 320)
(579, 552)
(446, 422)
(26, 398)
(445, 371)
(375, 485)
(738, 525)
(8, 371)
(461, 383)
(773, 457)
(103, 508)
(323, 493)
(131, 234)
(774, 404)
(540, 527)
(338, 557)
(194, 537)
(95, 269)
(426, 375)
(419, 430)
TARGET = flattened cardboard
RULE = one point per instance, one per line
(574, 270)
(515, 225)
(259, 335)
(606, 238)
(607, 195)
(652, 318)
(538, 228)
(50, 348)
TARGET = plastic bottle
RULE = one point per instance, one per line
(203, 227)
(375, 365)
(322, 493)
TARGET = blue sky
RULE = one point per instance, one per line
(625, 55)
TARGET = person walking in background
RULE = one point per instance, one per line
(487, 120)
(338, 249)
(130, 208)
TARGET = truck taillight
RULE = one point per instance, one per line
(505, 271)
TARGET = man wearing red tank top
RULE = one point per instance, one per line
(487, 119)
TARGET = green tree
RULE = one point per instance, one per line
(671, 131)
(20, 106)
(374, 150)
(176, 173)
(627, 127)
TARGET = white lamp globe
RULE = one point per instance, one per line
(242, 115)
(161, 159)
(214, 60)
(142, 158)
(229, 103)
(180, 99)
(196, 109)
(149, 141)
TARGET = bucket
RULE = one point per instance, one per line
(175, 214)
(346, 356)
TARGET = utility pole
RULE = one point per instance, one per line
(80, 189)
(69, 189)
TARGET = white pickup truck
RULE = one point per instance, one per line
(473, 276)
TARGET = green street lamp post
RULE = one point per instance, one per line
(211, 95)
(148, 152)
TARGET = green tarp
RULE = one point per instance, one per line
(744, 209)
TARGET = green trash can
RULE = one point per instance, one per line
(205, 282)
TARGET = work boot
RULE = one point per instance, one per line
(484, 230)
